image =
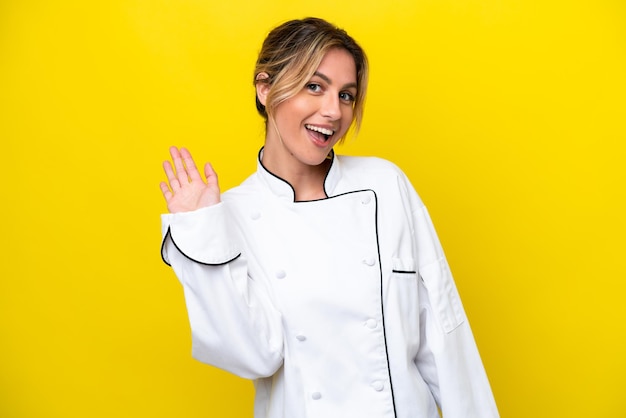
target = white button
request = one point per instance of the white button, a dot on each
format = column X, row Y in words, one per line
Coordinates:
column 316, row 395
column 366, row 199
column 255, row 215
column 370, row 261
column 378, row 385
column 280, row 274
column 371, row 323
column 300, row 337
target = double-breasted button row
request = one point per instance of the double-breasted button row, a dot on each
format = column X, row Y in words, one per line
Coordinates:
column 368, row 261
column 377, row 385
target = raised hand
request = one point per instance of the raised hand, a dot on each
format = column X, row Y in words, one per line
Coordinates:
column 185, row 189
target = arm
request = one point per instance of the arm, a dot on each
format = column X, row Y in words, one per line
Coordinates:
column 448, row 358
column 234, row 325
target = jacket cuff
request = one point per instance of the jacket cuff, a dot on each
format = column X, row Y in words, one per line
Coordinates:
column 204, row 235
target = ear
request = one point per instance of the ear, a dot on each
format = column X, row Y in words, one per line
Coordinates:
column 262, row 87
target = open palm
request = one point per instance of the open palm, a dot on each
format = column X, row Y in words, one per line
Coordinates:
column 185, row 189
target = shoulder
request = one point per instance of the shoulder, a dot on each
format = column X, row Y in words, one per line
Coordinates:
column 380, row 175
column 373, row 170
column 248, row 189
column 369, row 164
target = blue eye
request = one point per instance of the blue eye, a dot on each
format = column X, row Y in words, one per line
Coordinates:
column 347, row 97
column 314, row 87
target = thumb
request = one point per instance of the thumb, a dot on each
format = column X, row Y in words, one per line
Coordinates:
column 211, row 175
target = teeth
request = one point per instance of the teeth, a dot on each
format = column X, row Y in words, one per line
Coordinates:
column 319, row 129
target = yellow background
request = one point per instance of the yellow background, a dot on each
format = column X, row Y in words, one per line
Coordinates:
column 508, row 116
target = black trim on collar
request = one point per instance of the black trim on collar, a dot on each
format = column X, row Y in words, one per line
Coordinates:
column 337, row 195
column 293, row 191
column 332, row 161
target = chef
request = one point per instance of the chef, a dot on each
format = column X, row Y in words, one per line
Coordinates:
column 320, row 277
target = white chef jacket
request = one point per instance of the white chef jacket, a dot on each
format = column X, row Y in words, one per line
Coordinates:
column 341, row 307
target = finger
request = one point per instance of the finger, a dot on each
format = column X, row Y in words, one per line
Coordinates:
column 171, row 176
column 174, row 152
column 211, row 175
column 181, row 173
column 190, row 165
column 167, row 193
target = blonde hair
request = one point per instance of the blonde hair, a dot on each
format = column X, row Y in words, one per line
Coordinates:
column 292, row 52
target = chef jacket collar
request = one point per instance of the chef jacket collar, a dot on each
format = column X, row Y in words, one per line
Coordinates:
column 282, row 189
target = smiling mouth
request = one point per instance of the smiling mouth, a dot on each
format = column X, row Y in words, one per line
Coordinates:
column 323, row 132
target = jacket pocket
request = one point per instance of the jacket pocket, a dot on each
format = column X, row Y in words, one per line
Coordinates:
column 403, row 297
column 443, row 295
column 403, row 266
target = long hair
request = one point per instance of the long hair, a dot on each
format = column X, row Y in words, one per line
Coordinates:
column 292, row 52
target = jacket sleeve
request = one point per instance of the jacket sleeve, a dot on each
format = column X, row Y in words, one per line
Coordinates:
column 448, row 358
column 234, row 325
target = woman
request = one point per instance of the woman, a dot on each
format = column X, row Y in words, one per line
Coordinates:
column 320, row 276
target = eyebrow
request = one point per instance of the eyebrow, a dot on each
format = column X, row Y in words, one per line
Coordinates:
column 328, row 80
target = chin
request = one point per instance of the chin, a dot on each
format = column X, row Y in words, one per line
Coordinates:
column 313, row 162
column 318, row 158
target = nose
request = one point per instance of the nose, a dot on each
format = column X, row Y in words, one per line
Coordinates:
column 331, row 107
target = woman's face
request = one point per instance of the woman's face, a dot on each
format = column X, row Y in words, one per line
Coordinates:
column 310, row 123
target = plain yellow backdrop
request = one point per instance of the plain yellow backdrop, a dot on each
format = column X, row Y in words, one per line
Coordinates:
column 508, row 116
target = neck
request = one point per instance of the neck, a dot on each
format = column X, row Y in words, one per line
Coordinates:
column 310, row 186
column 306, row 181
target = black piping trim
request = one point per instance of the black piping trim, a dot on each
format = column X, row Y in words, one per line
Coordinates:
column 403, row 271
column 169, row 234
column 337, row 195
column 382, row 305
column 332, row 161
column 289, row 184
column 274, row 175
